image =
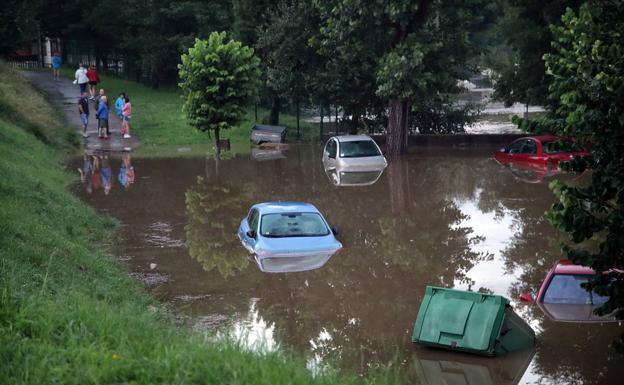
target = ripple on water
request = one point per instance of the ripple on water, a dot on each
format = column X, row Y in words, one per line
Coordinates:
column 150, row 279
column 159, row 234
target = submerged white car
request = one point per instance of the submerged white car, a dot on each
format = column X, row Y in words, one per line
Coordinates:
column 353, row 152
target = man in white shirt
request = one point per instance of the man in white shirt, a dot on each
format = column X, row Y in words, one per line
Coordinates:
column 81, row 78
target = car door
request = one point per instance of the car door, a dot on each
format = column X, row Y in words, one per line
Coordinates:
column 528, row 152
column 514, row 152
column 250, row 223
column 329, row 154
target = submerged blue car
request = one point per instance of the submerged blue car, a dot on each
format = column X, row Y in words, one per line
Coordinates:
column 279, row 233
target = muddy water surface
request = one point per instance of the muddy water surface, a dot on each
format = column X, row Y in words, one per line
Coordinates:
column 458, row 220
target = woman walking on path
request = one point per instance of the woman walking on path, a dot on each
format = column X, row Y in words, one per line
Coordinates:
column 81, row 78
column 127, row 114
column 102, row 115
column 83, row 109
column 94, row 79
column 56, row 65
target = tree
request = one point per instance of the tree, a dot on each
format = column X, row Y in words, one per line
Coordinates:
column 587, row 82
column 287, row 52
column 218, row 78
column 412, row 52
column 525, row 28
column 18, row 25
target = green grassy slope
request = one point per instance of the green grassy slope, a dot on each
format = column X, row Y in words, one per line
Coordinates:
column 69, row 314
column 158, row 118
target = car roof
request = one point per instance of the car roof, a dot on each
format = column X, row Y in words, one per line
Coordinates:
column 285, row 207
column 352, row 138
column 543, row 138
column 567, row 267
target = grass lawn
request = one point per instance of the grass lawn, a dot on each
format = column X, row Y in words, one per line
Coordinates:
column 69, row 313
column 158, row 118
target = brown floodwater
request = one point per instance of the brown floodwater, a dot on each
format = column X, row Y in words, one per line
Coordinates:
column 451, row 218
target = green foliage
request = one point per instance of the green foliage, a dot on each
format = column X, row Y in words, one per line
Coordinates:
column 17, row 25
column 218, row 79
column 412, row 52
column 525, row 29
column 588, row 86
column 286, row 52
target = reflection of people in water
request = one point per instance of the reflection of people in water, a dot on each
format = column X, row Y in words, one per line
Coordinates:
column 86, row 172
column 107, row 174
column 126, row 172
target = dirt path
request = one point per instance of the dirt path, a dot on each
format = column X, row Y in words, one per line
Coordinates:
column 65, row 95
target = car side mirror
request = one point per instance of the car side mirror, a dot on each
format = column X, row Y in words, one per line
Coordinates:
column 251, row 234
column 334, row 231
column 505, row 150
column 526, row 298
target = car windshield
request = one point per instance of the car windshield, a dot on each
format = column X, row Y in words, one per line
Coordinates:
column 560, row 146
column 566, row 288
column 358, row 149
column 282, row 225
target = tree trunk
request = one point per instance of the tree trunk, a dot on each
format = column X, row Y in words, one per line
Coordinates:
column 353, row 124
column 297, row 120
column 217, row 144
column 321, row 126
column 396, row 137
column 275, row 109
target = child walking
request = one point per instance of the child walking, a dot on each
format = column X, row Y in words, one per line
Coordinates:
column 119, row 105
column 127, row 114
column 102, row 114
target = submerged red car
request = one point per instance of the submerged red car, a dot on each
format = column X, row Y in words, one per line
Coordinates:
column 562, row 297
column 544, row 151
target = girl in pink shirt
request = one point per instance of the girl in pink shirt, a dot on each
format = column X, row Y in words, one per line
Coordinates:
column 127, row 114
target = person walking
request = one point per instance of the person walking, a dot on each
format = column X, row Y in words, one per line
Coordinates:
column 81, row 78
column 102, row 114
column 127, row 115
column 119, row 105
column 83, row 109
column 94, row 79
column 101, row 95
column 57, row 61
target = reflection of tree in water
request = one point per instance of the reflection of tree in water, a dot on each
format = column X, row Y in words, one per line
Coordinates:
column 214, row 211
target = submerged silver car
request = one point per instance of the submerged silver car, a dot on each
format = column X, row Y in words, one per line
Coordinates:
column 287, row 236
column 353, row 152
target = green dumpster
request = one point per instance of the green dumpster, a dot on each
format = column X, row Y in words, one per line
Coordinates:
column 472, row 322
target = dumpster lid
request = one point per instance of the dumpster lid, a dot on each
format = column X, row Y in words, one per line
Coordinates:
column 266, row 127
column 459, row 319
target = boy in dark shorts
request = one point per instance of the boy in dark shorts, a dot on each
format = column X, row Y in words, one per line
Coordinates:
column 83, row 109
column 102, row 114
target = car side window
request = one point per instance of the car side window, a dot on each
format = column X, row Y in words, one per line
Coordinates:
column 516, row 146
column 530, row 147
column 252, row 219
column 331, row 148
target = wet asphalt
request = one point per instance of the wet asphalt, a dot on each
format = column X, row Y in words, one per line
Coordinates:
column 64, row 94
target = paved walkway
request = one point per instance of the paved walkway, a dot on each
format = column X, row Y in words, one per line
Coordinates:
column 65, row 95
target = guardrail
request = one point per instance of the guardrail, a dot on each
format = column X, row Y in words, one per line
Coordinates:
column 24, row 64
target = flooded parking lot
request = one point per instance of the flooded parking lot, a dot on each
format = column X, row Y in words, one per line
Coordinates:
column 445, row 218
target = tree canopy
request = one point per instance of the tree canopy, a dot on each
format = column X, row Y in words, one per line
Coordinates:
column 219, row 79
column 587, row 82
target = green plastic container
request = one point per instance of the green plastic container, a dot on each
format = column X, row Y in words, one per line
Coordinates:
column 471, row 322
